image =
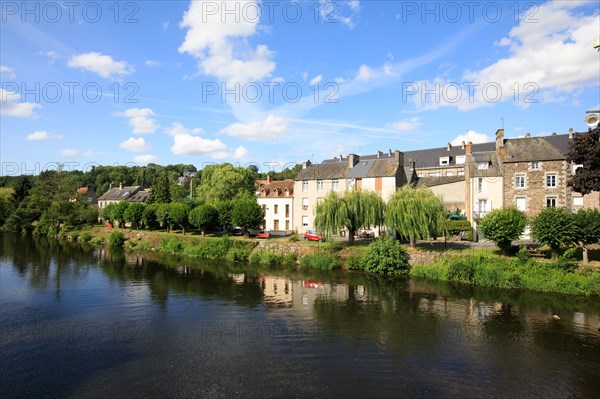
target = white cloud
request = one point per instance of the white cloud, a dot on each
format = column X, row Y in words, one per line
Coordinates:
column 102, row 65
column 239, row 153
column 7, row 72
column 135, row 145
column 354, row 5
column 214, row 39
column 473, row 137
column 41, row 135
column 140, row 119
column 177, row 128
column 52, row 55
column 364, row 73
column 268, row 129
column 145, row 159
column 9, row 106
column 90, row 153
column 154, row 63
column 186, row 144
column 405, row 125
column 316, row 80
column 70, row 153
column 165, row 25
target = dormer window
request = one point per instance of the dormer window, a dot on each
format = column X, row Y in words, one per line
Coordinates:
column 444, row 161
column 483, row 165
column 460, row 160
column 535, row 165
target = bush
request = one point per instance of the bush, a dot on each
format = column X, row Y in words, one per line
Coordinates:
column 458, row 225
column 265, row 257
column 294, row 238
column 462, row 270
column 355, row 262
column 503, row 226
column 238, row 254
column 321, row 261
column 171, row 246
column 523, row 254
column 86, row 236
column 554, row 227
column 74, row 235
column 116, row 239
column 386, row 255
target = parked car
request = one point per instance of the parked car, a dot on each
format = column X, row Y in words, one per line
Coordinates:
column 263, row 234
column 312, row 235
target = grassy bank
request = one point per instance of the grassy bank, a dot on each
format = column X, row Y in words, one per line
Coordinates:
column 510, row 273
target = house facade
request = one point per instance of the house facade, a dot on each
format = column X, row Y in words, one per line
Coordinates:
column 277, row 201
column 381, row 173
column 119, row 194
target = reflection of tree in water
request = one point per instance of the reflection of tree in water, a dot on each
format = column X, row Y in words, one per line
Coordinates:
column 504, row 323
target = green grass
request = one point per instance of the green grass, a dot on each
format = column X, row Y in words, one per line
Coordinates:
column 512, row 273
column 321, row 261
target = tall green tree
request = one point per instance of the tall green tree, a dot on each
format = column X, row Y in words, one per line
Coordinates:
column 134, row 214
column 161, row 191
column 224, row 210
column 587, row 231
column 107, row 214
column 223, row 182
column 149, row 217
column 204, row 217
column 503, row 226
column 162, row 215
column 118, row 213
column 178, row 215
column 356, row 209
column 415, row 213
column 554, row 227
column 584, row 150
column 246, row 212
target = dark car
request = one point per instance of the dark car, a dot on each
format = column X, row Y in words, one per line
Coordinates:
column 312, row 235
column 263, row 234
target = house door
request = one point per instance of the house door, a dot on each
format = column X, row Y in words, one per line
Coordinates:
column 276, row 224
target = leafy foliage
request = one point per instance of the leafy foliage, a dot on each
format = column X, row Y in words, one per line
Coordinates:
column 116, row 239
column 503, row 226
column 246, row 212
column 149, row 217
column 161, row 191
column 321, row 261
column 223, row 182
column 554, row 227
column 386, row 255
column 134, row 214
column 584, row 150
column 204, row 217
column 178, row 215
column 162, row 215
column 415, row 213
column 587, row 231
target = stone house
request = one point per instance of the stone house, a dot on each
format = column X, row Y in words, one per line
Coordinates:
column 277, row 200
column 118, row 194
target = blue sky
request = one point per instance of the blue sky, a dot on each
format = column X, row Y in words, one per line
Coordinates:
column 274, row 83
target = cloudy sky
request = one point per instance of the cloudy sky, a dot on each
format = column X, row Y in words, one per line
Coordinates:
column 279, row 82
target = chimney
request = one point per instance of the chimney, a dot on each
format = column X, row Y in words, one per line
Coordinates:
column 110, row 186
column 121, row 186
column 570, row 133
column 397, row 156
column 449, row 146
column 379, row 154
column 462, row 146
column 269, row 178
column 554, row 133
column 341, row 157
column 469, row 148
column 390, row 153
column 305, row 164
column 353, row 160
column 499, row 138
column 528, row 135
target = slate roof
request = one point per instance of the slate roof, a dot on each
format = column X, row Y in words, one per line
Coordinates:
column 277, row 188
column 140, row 196
column 119, row 194
column 326, row 170
column 560, row 142
column 431, row 181
column 430, row 158
column 493, row 164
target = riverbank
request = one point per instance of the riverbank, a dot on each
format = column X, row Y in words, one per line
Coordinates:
column 474, row 266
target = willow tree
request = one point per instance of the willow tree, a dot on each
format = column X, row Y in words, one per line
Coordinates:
column 356, row 209
column 414, row 213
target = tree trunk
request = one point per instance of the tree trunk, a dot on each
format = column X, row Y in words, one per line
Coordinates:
column 351, row 236
column 412, row 243
column 585, row 255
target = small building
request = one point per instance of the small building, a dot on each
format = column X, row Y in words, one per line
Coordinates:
column 85, row 193
column 277, row 201
column 119, row 194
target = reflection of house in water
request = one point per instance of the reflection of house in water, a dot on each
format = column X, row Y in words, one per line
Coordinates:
column 277, row 291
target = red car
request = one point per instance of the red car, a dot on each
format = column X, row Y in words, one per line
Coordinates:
column 263, row 234
column 312, row 235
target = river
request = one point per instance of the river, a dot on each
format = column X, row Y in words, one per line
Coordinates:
column 82, row 321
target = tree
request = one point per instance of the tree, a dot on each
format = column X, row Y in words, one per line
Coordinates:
column 21, row 186
column 118, row 213
column 356, row 209
column 178, row 215
column 203, row 217
column 223, row 182
column 584, row 150
column 503, row 226
column 161, row 191
column 386, row 255
column 162, row 215
column 107, row 214
column 224, row 209
column 415, row 213
column 587, row 232
column 554, row 227
column 134, row 214
column 149, row 217
column 246, row 212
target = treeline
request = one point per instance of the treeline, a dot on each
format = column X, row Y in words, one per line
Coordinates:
column 48, row 202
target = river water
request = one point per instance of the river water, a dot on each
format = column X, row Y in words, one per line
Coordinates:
column 81, row 321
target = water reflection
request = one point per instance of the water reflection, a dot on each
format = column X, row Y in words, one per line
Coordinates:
column 192, row 328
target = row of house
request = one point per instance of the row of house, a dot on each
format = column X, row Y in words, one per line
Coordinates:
column 472, row 179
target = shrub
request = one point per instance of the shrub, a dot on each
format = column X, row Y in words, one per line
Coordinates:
column 86, row 236
column 503, row 226
column 321, row 261
column 355, row 262
column 523, row 254
column 294, row 238
column 237, row 254
column 265, row 257
column 554, row 227
column 458, row 225
column 462, row 270
column 74, row 235
column 171, row 246
column 116, row 239
column 386, row 255
column 52, row 232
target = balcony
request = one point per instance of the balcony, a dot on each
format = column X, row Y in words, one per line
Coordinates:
column 478, row 215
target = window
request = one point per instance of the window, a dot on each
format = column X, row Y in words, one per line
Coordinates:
column 480, row 185
column 287, row 211
column 450, row 174
column 460, row 160
column 520, row 181
column 305, row 186
column 461, row 172
column 378, row 184
column 304, row 204
column 434, row 174
column 535, row 165
column 304, row 221
column 319, row 185
column 551, row 180
column 444, row 161
column 551, row 202
column 483, row 205
column 482, row 165
column 335, row 184
column 275, row 210
column 577, row 201
column 521, row 204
